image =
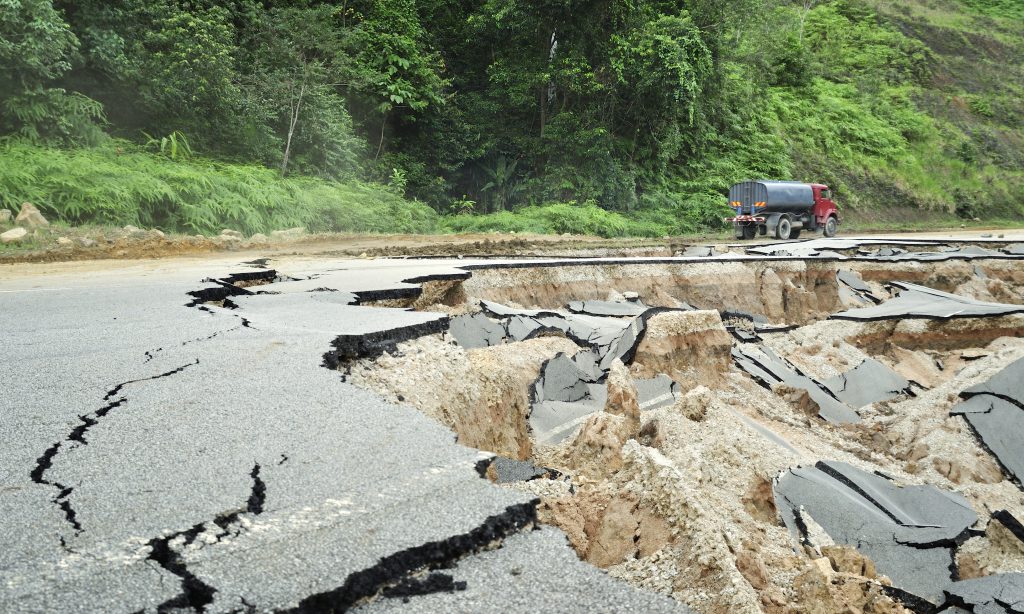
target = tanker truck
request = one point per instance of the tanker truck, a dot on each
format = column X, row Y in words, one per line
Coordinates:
column 782, row 209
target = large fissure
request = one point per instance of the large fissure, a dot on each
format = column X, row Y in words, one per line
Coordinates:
column 396, row 568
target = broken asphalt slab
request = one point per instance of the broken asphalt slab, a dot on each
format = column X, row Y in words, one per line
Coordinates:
column 995, row 594
column 766, row 367
column 869, row 382
column 916, row 301
column 910, row 532
column 995, row 410
column 615, row 309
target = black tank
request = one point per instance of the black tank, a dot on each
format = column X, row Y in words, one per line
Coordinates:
column 750, row 197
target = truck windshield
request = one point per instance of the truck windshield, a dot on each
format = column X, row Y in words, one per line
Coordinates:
column 826, row 194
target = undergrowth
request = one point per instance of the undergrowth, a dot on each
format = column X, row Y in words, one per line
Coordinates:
column 120, row 184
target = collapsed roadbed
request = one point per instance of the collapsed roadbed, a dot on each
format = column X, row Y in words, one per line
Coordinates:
column 801, row 427
column 668, row 414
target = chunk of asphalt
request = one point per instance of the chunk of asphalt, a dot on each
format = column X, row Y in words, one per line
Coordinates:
column 520, row 328
column 476, row 331
column 502, row 311
column 608, row 308
column 909, row 532
column 916, row 301
column 656, row 392
column 743, row 336
column 996, row 594
column 1010, row 521
column 588, row 361
column 1015, row 249
column 852, row 280
column 744, row 315
column 765, row 366
column 1007, row 384
column 995, row 410
column 869, row 382
column 852, row 286
column 554, row 421
column 848, row 296
column 999, row 424
column 511, row 470
column 561, row 380
column 623, row 346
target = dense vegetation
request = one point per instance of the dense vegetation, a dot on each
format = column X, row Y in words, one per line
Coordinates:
column 621, row 117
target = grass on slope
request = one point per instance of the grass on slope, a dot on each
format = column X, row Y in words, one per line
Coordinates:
column 118, row 184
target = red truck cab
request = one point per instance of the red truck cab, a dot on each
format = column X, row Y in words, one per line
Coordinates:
column 824, row 206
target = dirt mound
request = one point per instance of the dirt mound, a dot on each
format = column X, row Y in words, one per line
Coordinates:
column 692, row 347
column 480, row 394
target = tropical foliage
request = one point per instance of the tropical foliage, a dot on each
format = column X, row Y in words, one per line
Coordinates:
column 628, row 116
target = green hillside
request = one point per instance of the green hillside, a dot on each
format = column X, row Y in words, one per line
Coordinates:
column 610, row 117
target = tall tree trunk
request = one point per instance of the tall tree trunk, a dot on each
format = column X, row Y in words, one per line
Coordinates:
column 542, row 99
column 380, row 144
column 293, row 121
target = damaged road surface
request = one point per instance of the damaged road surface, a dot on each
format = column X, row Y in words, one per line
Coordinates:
column 804, row 427
column 160, row 457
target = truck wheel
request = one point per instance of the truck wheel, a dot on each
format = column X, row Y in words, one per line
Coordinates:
column 749, row 231
column 831, row 226
column 783, row 229
column 794, row 233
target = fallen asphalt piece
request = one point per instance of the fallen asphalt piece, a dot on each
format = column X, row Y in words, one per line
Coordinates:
column 852, row 286
column 561, row 379
column 910, row 532
column 996, row 594
column 476, row 331
column 610, row 338
column 507, row 470
column 657, row 391
column 555, row 421
column 916, row 301
column 867, row 383
column 995, row 410
column 615, row 309
column 766, row 367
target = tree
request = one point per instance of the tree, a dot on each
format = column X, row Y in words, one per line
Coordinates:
column 36, row 46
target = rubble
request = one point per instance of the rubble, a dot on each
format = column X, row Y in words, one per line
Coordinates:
column 824, row 462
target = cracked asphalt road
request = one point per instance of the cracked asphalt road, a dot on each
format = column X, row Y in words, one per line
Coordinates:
column 155, row 456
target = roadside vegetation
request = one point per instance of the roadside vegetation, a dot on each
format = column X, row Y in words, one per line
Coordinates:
column 422, row 116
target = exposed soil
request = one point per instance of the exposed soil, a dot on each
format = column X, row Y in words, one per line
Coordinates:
column 101, row 243
column 679, row 499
